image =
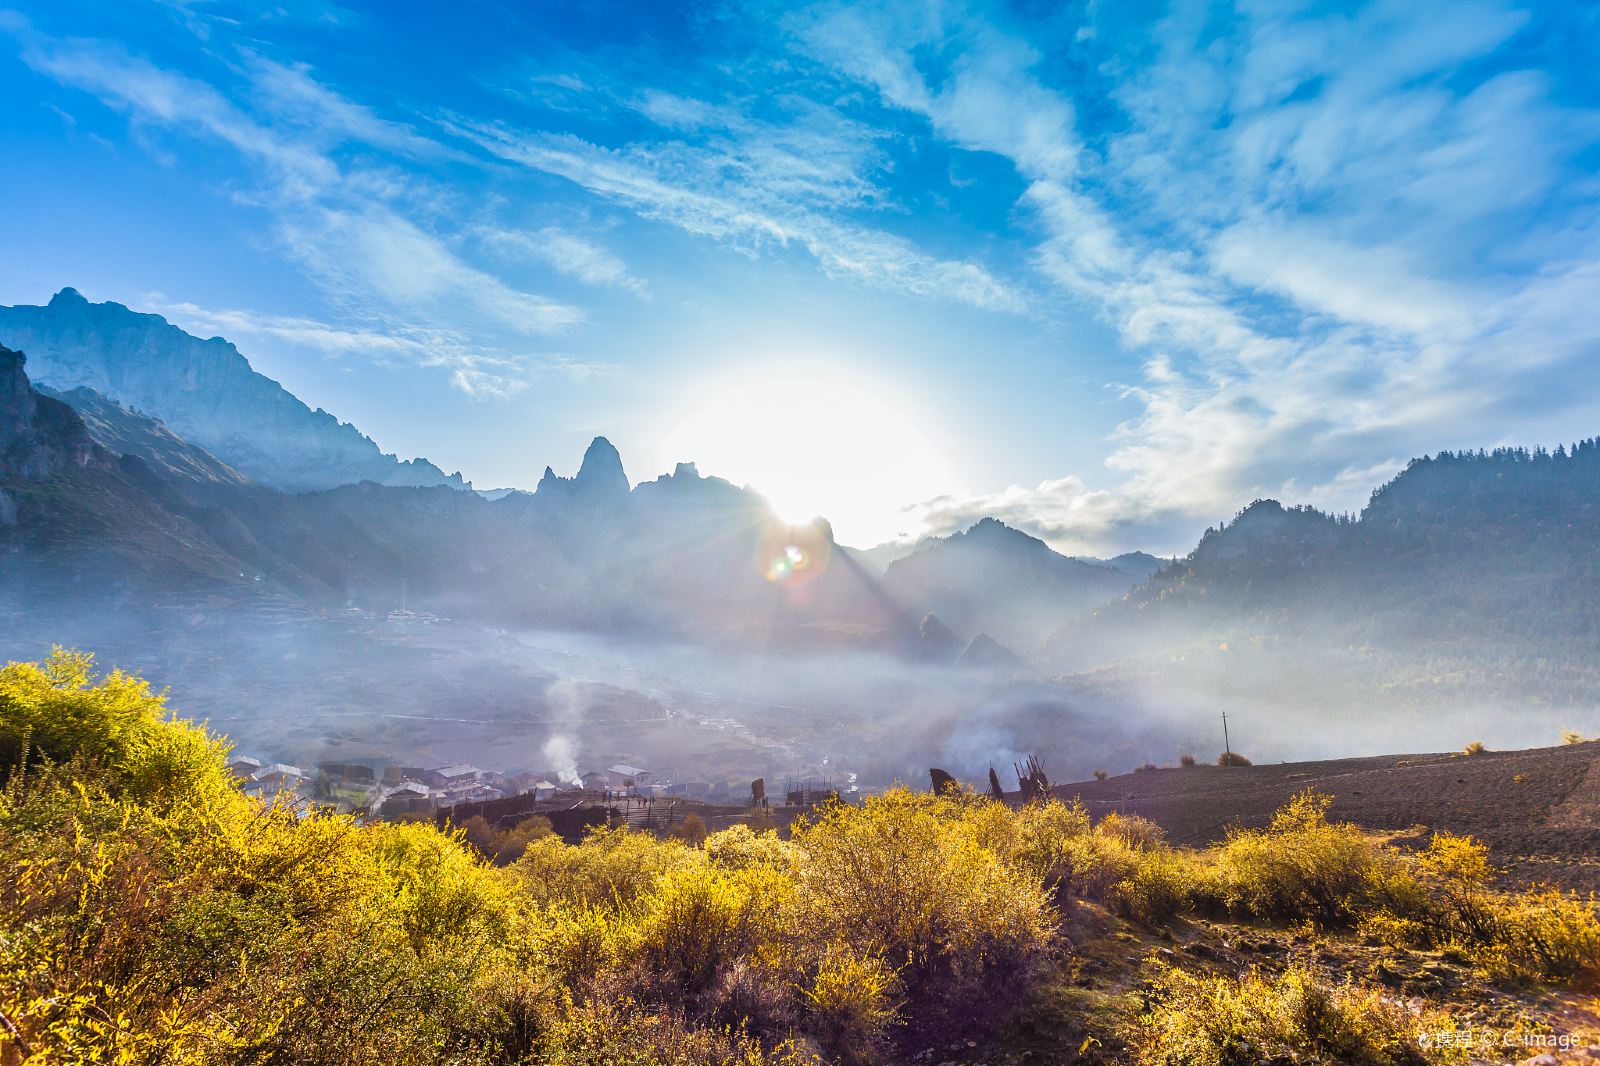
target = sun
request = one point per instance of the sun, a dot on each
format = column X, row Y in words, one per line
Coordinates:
column 816, row 440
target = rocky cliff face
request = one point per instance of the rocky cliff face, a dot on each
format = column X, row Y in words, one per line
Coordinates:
column 40, row 436
column 124, row 432
column 205, row 391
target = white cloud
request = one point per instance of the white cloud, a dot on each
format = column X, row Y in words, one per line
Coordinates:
column 1313, row 229
column 150, row 94
column 350, row 227
column 293, row 96
column 362, row 253
column 748, row 217
column 474, row 369
column 574, row 256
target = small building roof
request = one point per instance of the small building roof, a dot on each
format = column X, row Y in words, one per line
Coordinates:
column 628, row 771
column 277, row 769
column 459, row 770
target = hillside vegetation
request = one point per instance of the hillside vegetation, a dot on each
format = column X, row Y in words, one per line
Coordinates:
column 152, row 913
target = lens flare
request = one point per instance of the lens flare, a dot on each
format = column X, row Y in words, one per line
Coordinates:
column 794, row 554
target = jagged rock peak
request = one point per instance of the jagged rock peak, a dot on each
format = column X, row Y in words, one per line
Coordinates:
column 68, row 297
column 686, row 470
column 601, row 470
column 600, row 476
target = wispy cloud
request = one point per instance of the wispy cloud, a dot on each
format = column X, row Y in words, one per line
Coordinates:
column 1310, row 226
column 576, row 257
column 348, row 225
column 474, row 369
column 675, row 185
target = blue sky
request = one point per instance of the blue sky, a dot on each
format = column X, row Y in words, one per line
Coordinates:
column 1106, row 271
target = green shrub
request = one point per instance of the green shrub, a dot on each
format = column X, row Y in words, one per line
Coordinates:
column 504, row 846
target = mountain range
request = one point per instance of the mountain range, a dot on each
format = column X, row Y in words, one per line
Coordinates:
column 150, row 467
column 214, row 477
column 204, row 391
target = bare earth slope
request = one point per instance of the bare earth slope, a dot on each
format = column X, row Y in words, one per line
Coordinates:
column 1537, row 809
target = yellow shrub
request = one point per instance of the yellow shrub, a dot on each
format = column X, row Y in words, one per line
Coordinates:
column 121, row 732
column 1040, row 840
column 903, row 878
column 852, row 1002
column 1293, row 1017
column 1301, row 866
column 1544, row 934
column 697, row 921
column 739, row 846
column 1132, row 829
column 621, row 1033
column 611, row 866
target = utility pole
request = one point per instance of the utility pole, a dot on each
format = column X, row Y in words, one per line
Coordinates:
column 1226, row 747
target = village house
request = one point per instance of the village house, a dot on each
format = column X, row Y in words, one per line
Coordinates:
column 594, row 781
column 242, row 766
column 624, row 778
column 459, row 774
column 410, row 797
column 349, row 774
column 274, row 779
column 470, row 792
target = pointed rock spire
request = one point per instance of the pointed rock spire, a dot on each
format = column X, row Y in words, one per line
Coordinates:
column 601, row 474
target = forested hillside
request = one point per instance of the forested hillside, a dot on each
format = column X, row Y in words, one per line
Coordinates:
column 1492, row 557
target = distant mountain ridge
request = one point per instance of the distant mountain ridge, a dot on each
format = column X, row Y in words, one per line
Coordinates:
column 996, row 580
column 1477, row 558
column 205, row 391
column 112, row 504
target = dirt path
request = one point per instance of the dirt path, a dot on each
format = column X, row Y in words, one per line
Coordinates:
column 1581, row 807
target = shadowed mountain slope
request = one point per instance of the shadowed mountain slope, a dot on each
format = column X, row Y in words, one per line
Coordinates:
column 997, row 580
column 205, row 391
